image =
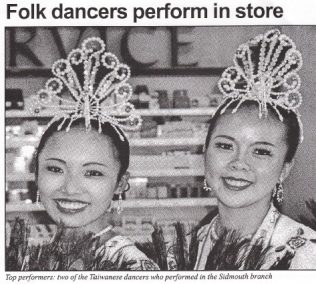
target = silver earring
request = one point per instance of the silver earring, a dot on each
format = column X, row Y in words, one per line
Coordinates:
column 37, row 197
column 110, row 208
column 119, row 207
column 206, row 187
column 278, row 192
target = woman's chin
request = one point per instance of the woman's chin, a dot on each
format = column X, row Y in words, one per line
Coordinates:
column 233, row 199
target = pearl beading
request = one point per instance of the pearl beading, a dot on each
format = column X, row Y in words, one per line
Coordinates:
column 105, row 99
column 267, row 77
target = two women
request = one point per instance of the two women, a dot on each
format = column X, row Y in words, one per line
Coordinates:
column 252, row 140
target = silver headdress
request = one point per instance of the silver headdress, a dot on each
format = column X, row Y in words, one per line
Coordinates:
column 265, row 70
column 95, row 81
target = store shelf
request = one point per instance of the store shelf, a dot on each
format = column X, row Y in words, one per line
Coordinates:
column 207, row 111
column 139, row 142
column 176, row 112
column 131, row 203
column 167, row 172
column 19, row 177
column 19, row 142
column 137, row 173
column 197, row 71
column 151, row 142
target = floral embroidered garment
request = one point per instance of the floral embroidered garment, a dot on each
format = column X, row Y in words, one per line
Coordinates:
column 281, row 234
column 121, row 249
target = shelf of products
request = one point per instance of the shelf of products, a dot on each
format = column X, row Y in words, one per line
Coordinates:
column 17, row 142
column 138, row 173
column 205, row 111
column 132, row 203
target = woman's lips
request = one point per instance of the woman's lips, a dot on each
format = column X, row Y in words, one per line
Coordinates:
column 236, row 184
column 69, row 206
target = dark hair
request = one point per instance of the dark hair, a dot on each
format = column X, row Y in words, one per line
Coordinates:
column 107, row 129
column 290, row 120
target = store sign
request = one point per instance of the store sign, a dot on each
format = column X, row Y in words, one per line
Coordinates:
column 166, row 47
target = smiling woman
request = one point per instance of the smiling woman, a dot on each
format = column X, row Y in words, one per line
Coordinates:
column 77, row 173
column 249, row 151
column 82, row 161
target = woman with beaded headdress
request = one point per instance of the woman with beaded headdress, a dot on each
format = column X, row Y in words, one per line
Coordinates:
column 249, row 150
column 82, row 161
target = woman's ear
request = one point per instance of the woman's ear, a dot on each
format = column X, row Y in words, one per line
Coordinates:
column 286, row 170
column 123, row 183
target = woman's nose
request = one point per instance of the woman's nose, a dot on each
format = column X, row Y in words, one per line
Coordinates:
column 239, row 163
column 72, row 184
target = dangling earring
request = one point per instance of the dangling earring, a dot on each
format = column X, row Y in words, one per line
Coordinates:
column 110, row 208
column 119, row 207
column 37, row 197
column 278, row 192
column 206, row 187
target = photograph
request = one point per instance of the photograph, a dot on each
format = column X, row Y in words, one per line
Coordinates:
column 160, row 148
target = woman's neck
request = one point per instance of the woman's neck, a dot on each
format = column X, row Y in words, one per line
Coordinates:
column 245, row 220
column 94, row 227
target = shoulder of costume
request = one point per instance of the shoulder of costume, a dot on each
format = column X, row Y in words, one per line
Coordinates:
column 294, row 234
column 301, row 239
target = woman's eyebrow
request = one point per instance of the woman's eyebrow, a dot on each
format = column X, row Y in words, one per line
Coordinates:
column 56, row 159
column 94, row 163
column 264, row 143
column 225, row 136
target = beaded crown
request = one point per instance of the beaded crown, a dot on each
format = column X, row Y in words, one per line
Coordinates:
column 265, row 70
column 96, row 89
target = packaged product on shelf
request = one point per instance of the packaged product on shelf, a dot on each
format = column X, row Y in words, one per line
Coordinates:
column 177, row 129
column 13, row 131
column 148, row 128
column 14, row 196
column 130, row 224
column 140, row 97
column 25, row 195
column 146, row 224
column 183, row 191
column 138, row 188
column 195, row 103
column 194, row 191
column 214, row 99
column 151, row 191
column 183, row 160
column 163, row 98
column 181, row 99
column 20, row 165
column 154, row 101
column 173, row 191
column 30, row 128
column 162, row 191
column 14, row 99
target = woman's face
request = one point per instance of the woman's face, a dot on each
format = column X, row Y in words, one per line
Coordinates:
column 245, row 157
column 77, row 177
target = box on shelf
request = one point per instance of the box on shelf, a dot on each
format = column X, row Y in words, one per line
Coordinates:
column 181, row 99
column 14, row 99
column 138, row 188
column 148, row 128
column 164, row 162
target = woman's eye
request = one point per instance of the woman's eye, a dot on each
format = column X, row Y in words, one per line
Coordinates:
column 263, row 152
column 54, row 169
column 224, row 146
column 93, row 173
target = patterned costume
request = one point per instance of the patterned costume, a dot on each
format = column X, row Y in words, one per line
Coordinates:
column 121, row 249
column 280, row 233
